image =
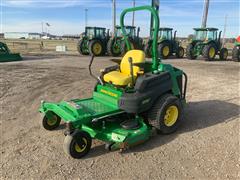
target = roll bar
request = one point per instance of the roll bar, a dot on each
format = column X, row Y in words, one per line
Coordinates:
column 155, row 59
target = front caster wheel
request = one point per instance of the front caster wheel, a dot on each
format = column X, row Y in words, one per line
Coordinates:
column 51, row 122
column 77, row 144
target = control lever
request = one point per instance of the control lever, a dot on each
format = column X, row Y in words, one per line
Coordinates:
column 131, row 69
column 90, row 71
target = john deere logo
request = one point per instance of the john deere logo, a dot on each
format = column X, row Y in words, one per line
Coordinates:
column 108, row 93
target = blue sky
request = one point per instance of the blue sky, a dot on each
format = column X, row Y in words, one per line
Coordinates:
column 67, row 16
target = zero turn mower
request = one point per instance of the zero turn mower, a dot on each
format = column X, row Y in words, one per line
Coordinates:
column 128, row 102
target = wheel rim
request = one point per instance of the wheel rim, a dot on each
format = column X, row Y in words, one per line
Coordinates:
column 97, row 48
column 116, row 48
column 81, row 149
column 225, row 54
column 53, row 121
column 171, row 115
column 212, row 52
column 166, row 51
column 181, row 52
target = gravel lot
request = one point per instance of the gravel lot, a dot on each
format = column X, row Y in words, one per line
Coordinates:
column 205, row 147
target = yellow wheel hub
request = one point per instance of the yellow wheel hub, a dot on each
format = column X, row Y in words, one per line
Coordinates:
column 212, row 52
column 171, row 115
column 166, row 51
column 97, row 48
column 81, row 149
column 53, row 121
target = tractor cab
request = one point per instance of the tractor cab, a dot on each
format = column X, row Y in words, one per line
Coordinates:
column 165, row 34
column 206, row 34
column 95, row 32
column 131, row 31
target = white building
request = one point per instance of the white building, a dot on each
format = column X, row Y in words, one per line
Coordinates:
column 21, row 35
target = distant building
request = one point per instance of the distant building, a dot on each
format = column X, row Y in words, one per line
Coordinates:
column 22, row 35
column 70, row 36
column 34, row 36
column 16, row 35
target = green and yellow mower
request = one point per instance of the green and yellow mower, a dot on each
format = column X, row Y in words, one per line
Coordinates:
column 129, row 101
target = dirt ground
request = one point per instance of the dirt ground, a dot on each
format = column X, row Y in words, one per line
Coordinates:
column 205, row 147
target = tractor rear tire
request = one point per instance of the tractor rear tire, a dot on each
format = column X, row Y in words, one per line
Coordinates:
column 164, row 50
column 166, row 114
column 189, row 52
column 236, row 54
column 209, row 52
column 223, row 54
column 148, row 49
column 79, row 47
column 180, row 52
column 73, row 149
column 110, row 48
column 96, row 48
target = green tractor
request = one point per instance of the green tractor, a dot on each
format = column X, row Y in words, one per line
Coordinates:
column 114, row 46
column 236, row 50
column 136, row 42
column 207, row 43
column 129, row 102
column 93, row 41
column 6, row 55
column 167, row 44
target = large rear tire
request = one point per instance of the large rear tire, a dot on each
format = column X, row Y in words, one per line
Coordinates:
column 180, row 52
column 223, row 54
column 96, row 48
column 236, row 54
column 113, row 48
column 166, row 114
column 209, row 52
column 80, row 47
column 73, row 148
column 164, row 50
column 190, row 52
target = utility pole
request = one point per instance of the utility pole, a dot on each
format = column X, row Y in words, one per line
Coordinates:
column 133, row 15
column 42, row 28
column 205, row 13
column 86, row 17
column 113, row 16
column 224, row 30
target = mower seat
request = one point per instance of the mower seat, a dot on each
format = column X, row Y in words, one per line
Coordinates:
column 123, row 77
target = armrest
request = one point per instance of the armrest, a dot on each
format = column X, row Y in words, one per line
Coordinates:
column 109, row 69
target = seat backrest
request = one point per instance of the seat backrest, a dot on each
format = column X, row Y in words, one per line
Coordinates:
column 137, row 56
